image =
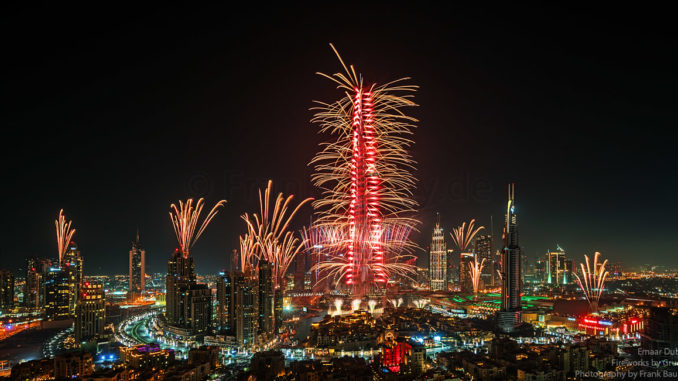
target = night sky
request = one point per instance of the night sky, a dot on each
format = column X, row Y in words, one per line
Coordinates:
column 112, row 114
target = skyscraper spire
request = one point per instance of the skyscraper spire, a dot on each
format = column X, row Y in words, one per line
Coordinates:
column 509, row 315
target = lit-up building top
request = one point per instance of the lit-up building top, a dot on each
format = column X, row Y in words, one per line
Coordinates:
column 438, row 260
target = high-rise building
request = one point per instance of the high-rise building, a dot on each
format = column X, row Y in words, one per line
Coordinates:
column 278, row 309
column 6, row 290
column 540, row 271
column 57, row 294
column 180, row 274
column 509, row 315
column 188, row 303
column 483, row 251
column 36, row 275
column 556, row 269
column 246, row 309
column 452, row 266
column 137, row 269
column 224, row 290
column 437, row 267
column 299, row 271
column 266, row 297
column 90, row 316
column 71, row 265
column 465, row 283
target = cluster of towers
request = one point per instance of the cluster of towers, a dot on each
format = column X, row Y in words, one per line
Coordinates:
column 249, row 305
column 502, row 269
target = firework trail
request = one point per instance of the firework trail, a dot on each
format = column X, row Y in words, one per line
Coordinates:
column 593, row 282
column 372, row 305
column 355, row 305
column 185, row 221
column 64, row 234
column 420, row 303
column 365, row 176
column 396, row 302
column 463, row 235
column 267, row 237
column 475, row 269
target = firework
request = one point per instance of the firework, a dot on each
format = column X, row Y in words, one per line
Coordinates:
column 420, row 303
column 463, row 235
column 593, row 282
column 337, row 305
column 64, row 233
column 365, row 176
column 396, row 302
column 372, row 305
column 185, row 221
column 475, row 269
column 267, row 236
column 355, row 305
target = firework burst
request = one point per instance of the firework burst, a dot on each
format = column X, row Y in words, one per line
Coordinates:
column 64, row 233
column 421, row 303
column 366, row 180
column 475, row 269
column 185, row 221
column 592, row 280
column 463, row 235
column 267, row 237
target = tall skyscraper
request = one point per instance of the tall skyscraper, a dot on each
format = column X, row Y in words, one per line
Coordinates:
column 277, row 309
column 36, row 275
column 180, row 273
column 266, row 297
column 437, row 267
column 465, row 283
column 246, row 308
column 90, row 316
column 137, row 269
column 557, row 271
column 299, row 271
column 188, row 309
column 71, row 265
column 224, row 291
column 57, row 294
column 509, row 315
column 6, row 290
column 483, row 250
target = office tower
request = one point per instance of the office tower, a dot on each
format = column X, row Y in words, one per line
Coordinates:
column 90, row 314
column 247, row 310
column 437, row 267
column 180, row 274
column 278, row 309
column 452, row 266
column 57, row 294
column 483, row 250
column 661, row 332
column 6, row 290
column 36, row 274
column 465, row 283
column 498, row 266
column 557, row 267
column 300, row 272
column 224, row 290
column 197, row 308
column 509, row 315
column 237, row 282
column 188, row 303
column 137, row 269
column 266, row 297
column 71, row 265
column 540, row 271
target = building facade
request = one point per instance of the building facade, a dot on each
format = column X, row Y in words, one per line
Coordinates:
column 438, row 260
column 509, row 315
column 137, row 269
column 90, row 316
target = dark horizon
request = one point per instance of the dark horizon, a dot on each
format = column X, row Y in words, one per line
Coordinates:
column 114, row 115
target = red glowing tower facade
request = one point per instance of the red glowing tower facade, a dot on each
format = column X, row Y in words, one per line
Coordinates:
column 365, row 254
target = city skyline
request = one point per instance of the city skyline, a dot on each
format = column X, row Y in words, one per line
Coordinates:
column 577, row 160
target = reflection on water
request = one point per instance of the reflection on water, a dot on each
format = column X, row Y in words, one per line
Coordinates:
column 304, row 326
